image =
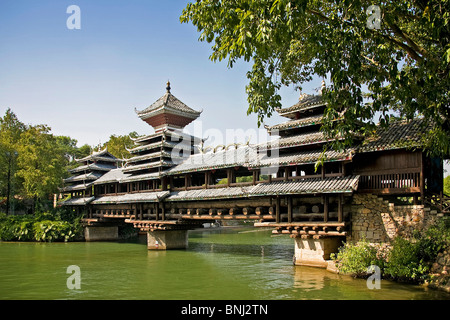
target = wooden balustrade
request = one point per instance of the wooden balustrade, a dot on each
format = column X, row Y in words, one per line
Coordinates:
column 391, row 182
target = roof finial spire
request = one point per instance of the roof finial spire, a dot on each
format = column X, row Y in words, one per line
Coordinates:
column 168, row 86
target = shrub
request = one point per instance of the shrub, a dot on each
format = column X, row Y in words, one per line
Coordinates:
column 40, row 227
column 404, row 261
column 355, row 259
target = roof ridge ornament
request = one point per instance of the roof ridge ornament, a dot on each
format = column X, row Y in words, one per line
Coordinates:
column 168, row 86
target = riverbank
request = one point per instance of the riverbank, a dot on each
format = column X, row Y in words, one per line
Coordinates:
column 423, row 258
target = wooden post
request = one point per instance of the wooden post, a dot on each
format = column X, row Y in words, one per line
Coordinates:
column 289, row 203
column 323, row 171
column 340, row 208
column 277, row 210
column 325, row 208
column 206, row 179
column 163, row 212
column 156, row 211
column 141, row 213
column 254, row 177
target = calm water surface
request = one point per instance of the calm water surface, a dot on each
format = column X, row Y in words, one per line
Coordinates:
column 220, row 264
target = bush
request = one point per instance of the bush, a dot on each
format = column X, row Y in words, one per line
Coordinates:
column 355, row 259
column 40, row 227
column 404, row 261
column 407, row 260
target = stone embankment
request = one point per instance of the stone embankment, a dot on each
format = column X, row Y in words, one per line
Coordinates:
column 378, row 221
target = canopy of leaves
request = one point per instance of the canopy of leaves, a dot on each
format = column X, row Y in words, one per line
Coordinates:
column 401, row 68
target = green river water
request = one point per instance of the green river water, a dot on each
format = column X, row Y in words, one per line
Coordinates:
column 220, row 264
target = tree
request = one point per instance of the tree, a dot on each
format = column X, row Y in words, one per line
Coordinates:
column 10, row 131
column 400, row 68
column 118, row 145
column 41, row 161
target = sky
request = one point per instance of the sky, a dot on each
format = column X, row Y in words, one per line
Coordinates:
column 86, row 83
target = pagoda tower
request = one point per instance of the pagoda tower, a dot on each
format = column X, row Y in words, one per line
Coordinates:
column 301, row 142
column 92, row 167
column 166, row 147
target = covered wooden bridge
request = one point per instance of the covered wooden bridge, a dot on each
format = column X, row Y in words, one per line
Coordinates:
column 172, row 184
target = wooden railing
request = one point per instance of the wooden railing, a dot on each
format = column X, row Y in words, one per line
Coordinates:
column 391, row 182
column 438, row 201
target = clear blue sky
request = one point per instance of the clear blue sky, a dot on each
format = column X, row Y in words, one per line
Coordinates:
column 86, row 83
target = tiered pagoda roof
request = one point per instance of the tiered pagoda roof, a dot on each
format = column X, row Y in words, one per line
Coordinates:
column 92, row 168
column 168, row 112
column 167, row 147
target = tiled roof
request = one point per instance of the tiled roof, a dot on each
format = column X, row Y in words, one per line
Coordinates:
column 168, row 102
column 132, row 197
column 77, row 187
column 148, row 165
column 295, row 140
column 303, row 122
column 94, row 167
column 76, row 201
column 209, row 194
column 141, row 177
column 177, row 134
column 307, row 186
column 301, row 157
column 84, row 177
column 300, row 186
column 102, row 155
column 397, row 135
column 215, row 160
column 153, row 145
column 115, row 175
column 305, row 102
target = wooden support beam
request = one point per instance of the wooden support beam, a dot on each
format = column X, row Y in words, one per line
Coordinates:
column 325, row 208
column 289, row 204
column 277, row 209
column 341, row 208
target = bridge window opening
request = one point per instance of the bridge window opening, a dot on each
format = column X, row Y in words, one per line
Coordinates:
column 122, row 188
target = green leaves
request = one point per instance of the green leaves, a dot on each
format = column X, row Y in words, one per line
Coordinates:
column 40, row 227
column 401, row 68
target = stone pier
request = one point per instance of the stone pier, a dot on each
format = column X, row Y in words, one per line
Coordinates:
column 101, row 233
column 315, row 252
column 167, row 239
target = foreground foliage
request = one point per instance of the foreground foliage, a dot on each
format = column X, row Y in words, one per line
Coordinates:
column 381, row 58
column 406, row 260
column 43, row 227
